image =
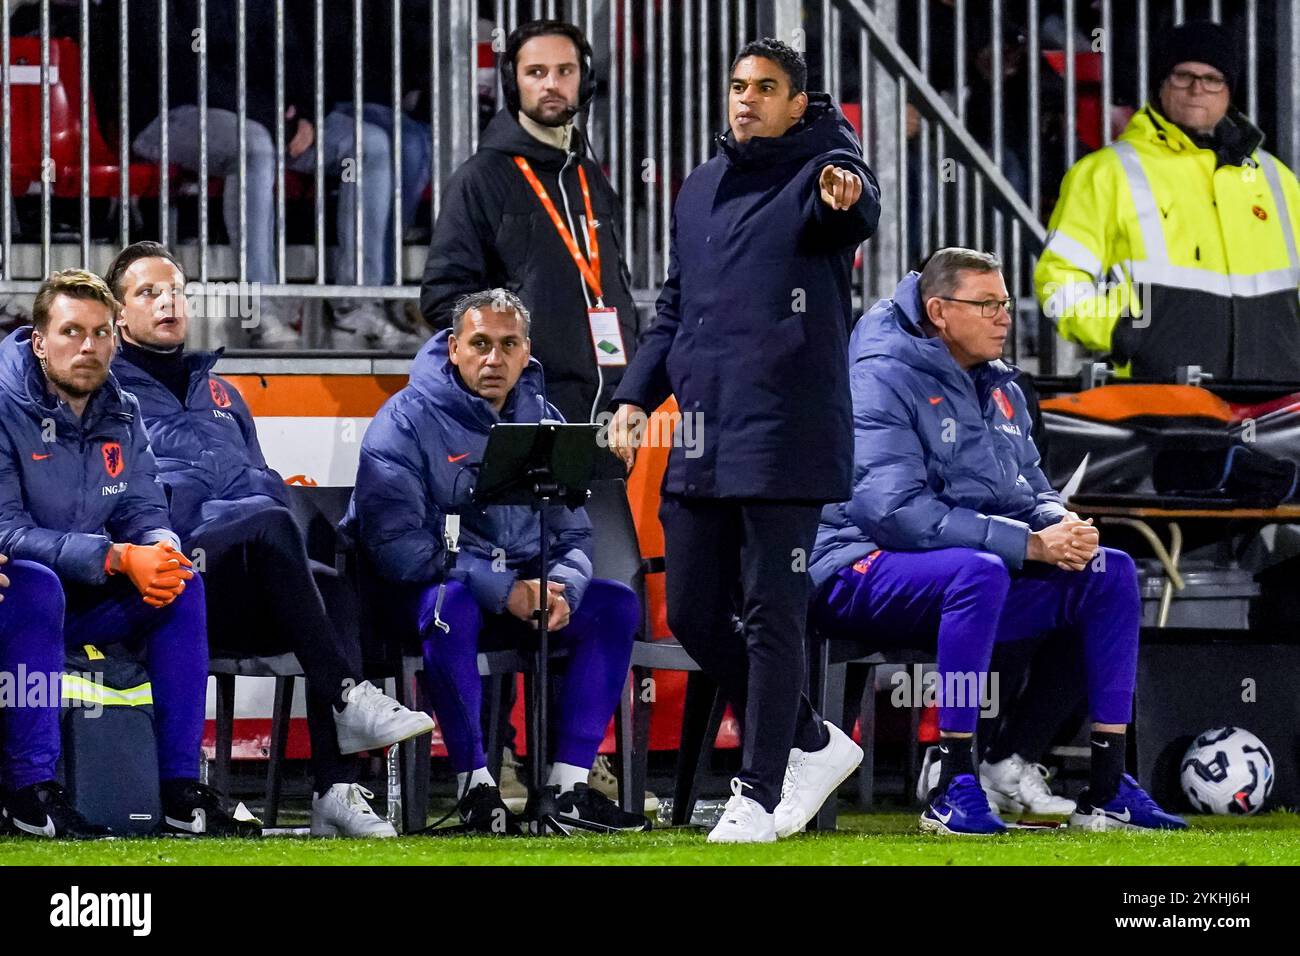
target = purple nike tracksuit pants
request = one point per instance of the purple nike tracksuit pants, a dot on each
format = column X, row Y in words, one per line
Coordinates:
column 31, row 618
column 39, row 617
column 599, row 637
column 961, row 601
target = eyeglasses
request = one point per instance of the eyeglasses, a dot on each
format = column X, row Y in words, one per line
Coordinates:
column 1210, row 82
column 988, row 307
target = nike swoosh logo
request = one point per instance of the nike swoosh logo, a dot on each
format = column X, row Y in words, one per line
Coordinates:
column 46, row 831
column 941, row 817
column 1121, row 817
column 455, row 458
column 1103, row 744
column 36, row 457
column 936, row 401
column 198, row 822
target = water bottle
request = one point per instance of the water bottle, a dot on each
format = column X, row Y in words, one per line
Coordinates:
column 706, row 813
column 393, row 812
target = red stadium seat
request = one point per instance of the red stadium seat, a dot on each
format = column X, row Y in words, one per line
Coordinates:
column 1087, row 74
column 65, row 127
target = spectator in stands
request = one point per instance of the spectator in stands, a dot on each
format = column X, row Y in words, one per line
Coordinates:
column 954, row 537
column 751, row 338
column 419, row 460
column 79, row 495
column 377, row 114
column 546, row 79
column 1175, row 246
column 229, row 506
column 547, row 228
column 275, row 327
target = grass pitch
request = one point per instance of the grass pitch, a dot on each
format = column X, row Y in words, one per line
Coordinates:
column 872, row 839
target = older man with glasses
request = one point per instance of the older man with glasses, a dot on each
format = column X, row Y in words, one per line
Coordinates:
column 954, row 539
column 1175, row 245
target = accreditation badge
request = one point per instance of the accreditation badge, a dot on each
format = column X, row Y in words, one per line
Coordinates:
column 606, row 336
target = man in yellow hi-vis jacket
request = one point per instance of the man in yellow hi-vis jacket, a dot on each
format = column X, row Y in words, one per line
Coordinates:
column 1176, row 245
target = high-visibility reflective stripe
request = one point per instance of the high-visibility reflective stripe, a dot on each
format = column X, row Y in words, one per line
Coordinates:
column 76, row 687
column 1215, row 283
column 1279, row 201
column 1157, row 270
column 1144, row 202
column 1070, row 297
column 1074, row 252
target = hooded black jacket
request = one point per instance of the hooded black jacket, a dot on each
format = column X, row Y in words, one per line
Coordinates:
column 752, row 327
column 492, row 231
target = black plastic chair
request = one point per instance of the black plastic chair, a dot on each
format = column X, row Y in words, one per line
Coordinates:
column 316, row 510
column 829, row 662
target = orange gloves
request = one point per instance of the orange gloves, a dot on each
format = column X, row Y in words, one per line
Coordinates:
column 158, row 571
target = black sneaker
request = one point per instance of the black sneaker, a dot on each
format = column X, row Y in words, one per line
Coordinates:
column 483, row 811
column 43, row 810
column 191, row 808
column 580, row 809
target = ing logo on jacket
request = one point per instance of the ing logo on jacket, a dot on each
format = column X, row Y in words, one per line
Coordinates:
column 220, row 397
column 113, row 460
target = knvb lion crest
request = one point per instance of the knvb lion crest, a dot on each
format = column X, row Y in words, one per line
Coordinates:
column 220, row 397
column 113, row 460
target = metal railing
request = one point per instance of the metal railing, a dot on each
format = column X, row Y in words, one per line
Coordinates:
column 662, row 66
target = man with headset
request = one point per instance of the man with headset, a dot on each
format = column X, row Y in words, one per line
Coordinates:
column 532, row 212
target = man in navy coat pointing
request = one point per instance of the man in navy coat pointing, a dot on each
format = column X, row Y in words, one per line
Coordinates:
column 751, row 337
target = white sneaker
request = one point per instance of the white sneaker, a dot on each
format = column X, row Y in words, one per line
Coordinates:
column 370, row 324
column 371, row 720
column 342, row 810
column 275, row 326
column 1015, row 786
column 811, row 778
column 743, row 820
column 603, row 779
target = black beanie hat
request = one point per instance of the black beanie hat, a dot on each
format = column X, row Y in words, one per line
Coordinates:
column 1198, row 41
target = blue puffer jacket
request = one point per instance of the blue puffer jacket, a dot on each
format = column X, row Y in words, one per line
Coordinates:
column 419, row 460
column 942, row 459
column 94, row 482
column 209, row 459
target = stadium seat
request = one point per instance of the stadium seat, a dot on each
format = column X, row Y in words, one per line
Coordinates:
column 225, row 669
column 618, row 557
column 316, row 510
column 65, row 128
column 829, row 661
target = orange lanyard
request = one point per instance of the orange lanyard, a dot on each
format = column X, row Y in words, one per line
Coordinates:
column 590, row 272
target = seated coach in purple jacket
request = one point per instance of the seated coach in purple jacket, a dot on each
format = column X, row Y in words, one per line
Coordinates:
column 419, row 461
column 954, row 538
column 230, row 506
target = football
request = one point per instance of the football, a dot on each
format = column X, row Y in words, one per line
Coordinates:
column 1227, row 771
